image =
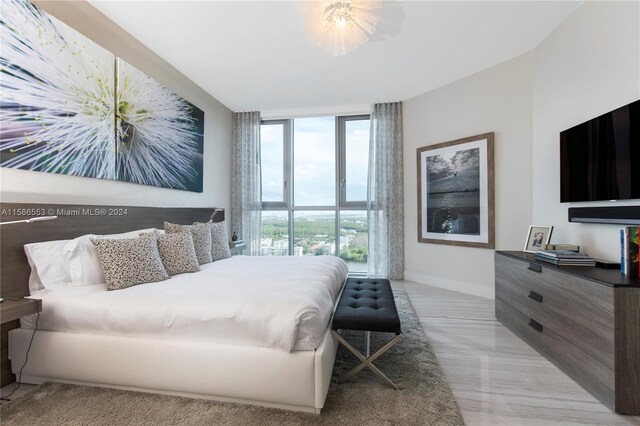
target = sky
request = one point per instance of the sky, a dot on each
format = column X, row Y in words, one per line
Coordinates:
column 272, row 158
column 314, row 168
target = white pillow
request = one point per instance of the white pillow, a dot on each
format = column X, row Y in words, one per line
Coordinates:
column 35, row 284
column 84, row 264
column 49, row 267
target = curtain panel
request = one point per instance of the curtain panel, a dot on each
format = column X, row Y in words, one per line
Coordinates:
column 246, row 203
column 385, row 192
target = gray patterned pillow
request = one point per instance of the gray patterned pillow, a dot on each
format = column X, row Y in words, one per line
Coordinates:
column 130, row 261
column 178, row 253
column 201, row 238
column 219, row 240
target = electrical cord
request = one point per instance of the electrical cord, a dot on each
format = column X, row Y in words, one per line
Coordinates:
column 26, row 358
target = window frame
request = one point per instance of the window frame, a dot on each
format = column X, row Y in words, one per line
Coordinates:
column 288, row 202
column 341, row 138
column 287, row 138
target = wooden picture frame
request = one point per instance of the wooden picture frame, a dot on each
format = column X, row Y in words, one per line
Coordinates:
column 456, row 192
column 537, row 238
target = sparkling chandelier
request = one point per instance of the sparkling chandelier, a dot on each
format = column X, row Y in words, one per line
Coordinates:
column 339, row 27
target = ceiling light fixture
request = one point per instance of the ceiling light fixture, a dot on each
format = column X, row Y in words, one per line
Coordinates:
column 339, row 27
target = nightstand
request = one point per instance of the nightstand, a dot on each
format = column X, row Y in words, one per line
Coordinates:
column 10, row 312
column 237, row 247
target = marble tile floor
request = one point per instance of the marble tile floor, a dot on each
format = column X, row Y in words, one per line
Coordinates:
column 496, row 378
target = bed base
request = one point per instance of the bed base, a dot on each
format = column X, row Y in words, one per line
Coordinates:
column 262, row 376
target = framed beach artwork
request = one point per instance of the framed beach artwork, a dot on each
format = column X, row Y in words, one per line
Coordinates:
column 456, row 192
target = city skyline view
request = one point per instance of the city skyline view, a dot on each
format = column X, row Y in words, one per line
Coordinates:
column 314, row 234
column 299, row 161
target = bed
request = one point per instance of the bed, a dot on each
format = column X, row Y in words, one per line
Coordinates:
column 245, row 329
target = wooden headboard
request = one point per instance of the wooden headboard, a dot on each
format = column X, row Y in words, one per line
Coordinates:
column 73, row 220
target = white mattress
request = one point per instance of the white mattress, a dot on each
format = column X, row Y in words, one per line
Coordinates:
column 279, row 302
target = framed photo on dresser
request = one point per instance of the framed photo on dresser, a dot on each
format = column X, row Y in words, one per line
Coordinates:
column 537, row 238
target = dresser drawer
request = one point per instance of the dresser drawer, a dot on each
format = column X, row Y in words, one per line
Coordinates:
column 574, row 308
column 590, row 373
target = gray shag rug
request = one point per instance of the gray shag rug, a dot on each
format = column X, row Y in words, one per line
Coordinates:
column 424, row 397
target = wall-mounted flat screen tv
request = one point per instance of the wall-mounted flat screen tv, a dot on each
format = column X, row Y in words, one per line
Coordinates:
column 600, row 158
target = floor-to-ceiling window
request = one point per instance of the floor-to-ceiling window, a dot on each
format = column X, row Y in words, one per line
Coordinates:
column 314, row 188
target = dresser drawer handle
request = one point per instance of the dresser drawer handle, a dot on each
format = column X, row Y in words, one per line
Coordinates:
column 536, row 325
column 535, row 296
column 535, row 268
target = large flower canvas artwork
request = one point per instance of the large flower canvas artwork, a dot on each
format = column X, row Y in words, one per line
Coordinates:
column 159, row 135
column 56, row 101
column 68, row 106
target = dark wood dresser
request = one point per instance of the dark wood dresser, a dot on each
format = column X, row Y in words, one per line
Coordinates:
column 585, row 320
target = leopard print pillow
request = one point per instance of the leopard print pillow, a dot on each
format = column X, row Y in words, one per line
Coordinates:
column 219, row 240
column 201, row 238
column 128, row 262
column 178, row 253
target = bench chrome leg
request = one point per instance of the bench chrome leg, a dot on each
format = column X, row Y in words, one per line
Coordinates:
column 367, row 344
column 368, row 360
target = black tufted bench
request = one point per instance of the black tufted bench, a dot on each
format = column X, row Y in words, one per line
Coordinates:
column 367, row 304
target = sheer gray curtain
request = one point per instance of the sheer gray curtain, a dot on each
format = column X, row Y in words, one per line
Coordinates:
column 385, row 197
column 246, row 203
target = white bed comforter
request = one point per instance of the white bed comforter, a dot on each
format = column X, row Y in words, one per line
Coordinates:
column 278, row 302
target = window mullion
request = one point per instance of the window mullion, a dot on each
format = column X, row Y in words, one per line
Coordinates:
column 339, row 181
column 341, row 159
column 288, row 175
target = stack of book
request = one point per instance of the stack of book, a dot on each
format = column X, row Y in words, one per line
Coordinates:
column 629, row 264
column 565, row 258
column 570, row 247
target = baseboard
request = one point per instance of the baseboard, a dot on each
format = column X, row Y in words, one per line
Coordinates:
column 474, row 289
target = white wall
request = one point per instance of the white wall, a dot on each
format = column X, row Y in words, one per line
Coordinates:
column 36, row 187
column 587, row 66
column 498, row 100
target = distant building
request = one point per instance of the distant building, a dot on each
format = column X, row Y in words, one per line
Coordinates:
column 329, row 248
column 266, row 242
column 281, row 244
column 346, row 240
column 272, row 251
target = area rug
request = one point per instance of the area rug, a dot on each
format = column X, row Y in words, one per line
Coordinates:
column 424, row 397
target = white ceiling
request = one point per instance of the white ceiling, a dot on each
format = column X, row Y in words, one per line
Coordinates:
column 254, row 55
